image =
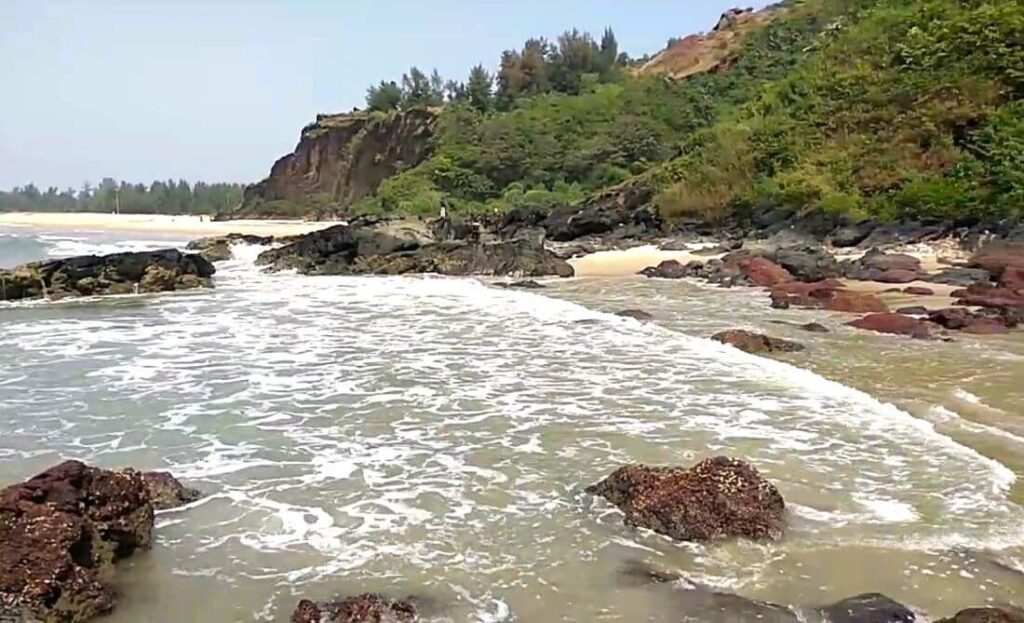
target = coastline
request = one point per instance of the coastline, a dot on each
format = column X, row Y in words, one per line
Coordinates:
column 155, row 223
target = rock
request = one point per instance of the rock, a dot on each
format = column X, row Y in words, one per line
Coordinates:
column 638, row 573
column 868, row 608
column 916, row 310
column 986, row 615
column 60, row 534
column 522, row 285
column 919, row 291
column 852, row 235
column 700, row 604
column 718, row 498
column 626, row 207
column 119, row 273
column 960, row 277
column 877, row 265
column 756, row 343
column 1012, row 278
column 671, row 269
column 827, row 294
column 400, row 246
column 814, row 327
column 339, row 160
column 764, row 272
column 366, row 608
column 165, row 492
column 997, row 257
column 636, row 314
column 808, row 264
column 990, row 296
column 218, row 248
column 896, row 324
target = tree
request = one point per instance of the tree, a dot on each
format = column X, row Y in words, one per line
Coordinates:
column 416, row 89
column 608, row 57
column 454, row 91
column 510, row 80
column 534, row 65
column 479, row 89
column 385, row 97
column 436, row 89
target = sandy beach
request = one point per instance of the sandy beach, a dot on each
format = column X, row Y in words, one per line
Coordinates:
column 155, row 223
column 630, row 261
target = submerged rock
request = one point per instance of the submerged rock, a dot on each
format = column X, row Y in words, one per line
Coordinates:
column 671, row 269
column 635, row 314
column 60, row 534
column 218, row 248
column 756, row 343
column 716, row 499
column 119, row 273
column 367, row 608
column 986, row 615
column 868, row 608
column 522, row 285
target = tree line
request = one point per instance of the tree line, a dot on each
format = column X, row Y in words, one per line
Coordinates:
column 567, row 66
column 159, row 197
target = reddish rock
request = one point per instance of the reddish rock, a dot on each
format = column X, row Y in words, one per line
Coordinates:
column 764, row 272
column 982, row 295
column 61, row 532
column 1013, row 278
column 997, row 257
column 366, row 608
column 718, row 498
column 829, row 294
column 987, row 615
column 854, row 302
column 918, row 291
column 755, row 343
column 897, row 324
column 898, row 276
column 986, row 326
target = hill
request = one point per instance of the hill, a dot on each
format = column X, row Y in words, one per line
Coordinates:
column 879, row 109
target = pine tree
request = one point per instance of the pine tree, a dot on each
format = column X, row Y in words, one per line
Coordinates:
column 510, row 80
column 479, row 89
column 387, row 96
column 416, row 89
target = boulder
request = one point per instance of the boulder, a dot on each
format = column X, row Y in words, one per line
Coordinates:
column 997, row 257
column 755, row 343
column 1012, row 278
column 528, row 284
column 218, row 248
column 764, row 272
column 915, row 310
column 60, row 534
column 852, row 235
column 981, row 295
column 625, row 207
column 166, row 492
column 986, row 615
column 919, row 291
column 808, row 263
column 877, row 265
column 671, row 269
column 896, row 324
column 868, row 608
column 960, row 277
column 719, row 498
column 828, row 294
column 118, row 273
column 814, row 327
column 366, row 608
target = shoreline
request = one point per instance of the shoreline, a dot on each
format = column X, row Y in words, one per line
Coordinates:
column 155, row 224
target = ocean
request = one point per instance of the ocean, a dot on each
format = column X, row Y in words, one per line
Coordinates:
column 433, row 436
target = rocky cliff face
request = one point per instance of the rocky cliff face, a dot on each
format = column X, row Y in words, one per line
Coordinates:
column 339, row 160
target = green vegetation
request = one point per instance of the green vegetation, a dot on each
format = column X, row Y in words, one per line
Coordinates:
column 868, row 108
column 168, row 197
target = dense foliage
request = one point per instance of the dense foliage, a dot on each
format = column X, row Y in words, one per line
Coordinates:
column 168, row 197
column 880, row 108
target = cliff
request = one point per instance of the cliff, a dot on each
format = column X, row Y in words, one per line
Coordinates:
column 339, row 160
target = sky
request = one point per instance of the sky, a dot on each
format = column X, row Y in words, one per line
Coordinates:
column 216, row 90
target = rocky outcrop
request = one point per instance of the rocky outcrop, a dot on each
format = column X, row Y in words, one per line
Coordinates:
column 395, row 247
column 986, row 615
column 218, row 248
column 983, row 295
column 339, row 160
column 829, row 294
column 120, row 273
column 671, row 269
column 718, row 498
column 166, row 492
column 755, row 343
column 61, row 533
column 625, row 210
column 366, row 608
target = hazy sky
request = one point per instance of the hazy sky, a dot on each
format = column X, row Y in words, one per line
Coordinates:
column 218, row 89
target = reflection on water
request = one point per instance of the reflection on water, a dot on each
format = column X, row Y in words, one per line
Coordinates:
column 432, row 437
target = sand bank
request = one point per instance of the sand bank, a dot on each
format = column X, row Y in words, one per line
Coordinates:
column 154, row 223
column 629, row 262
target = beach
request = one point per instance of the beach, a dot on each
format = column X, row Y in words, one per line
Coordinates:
column 155, row 223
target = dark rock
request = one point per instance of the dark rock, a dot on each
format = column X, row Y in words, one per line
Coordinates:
column 755, row 343
column 701, row 604
column 852, row 235
column 671, row 269
column 814, row 327
column 915, row 310
column 986, row 615
column 919, row 291
column 897, row 324
column 636, row 314
column 635, row 572
column 394, row 247
column 624, row 206
column 218, row 248
column 960, row 277
column 808, row 264
column 718, row 498
column 119, row 273
column 165, row 492
column 522, row 285
column 877, row 265
column 868, row 608
column 904, row 232
column 366, row 608
column 60, row 534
